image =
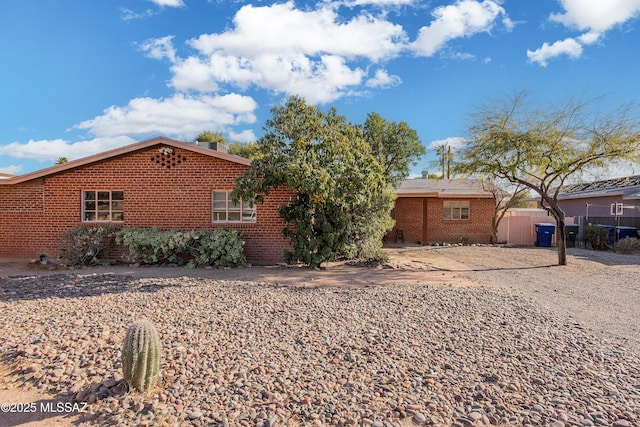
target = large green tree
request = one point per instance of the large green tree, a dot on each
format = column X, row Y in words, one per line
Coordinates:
column 395, row 145
column 343, row 202
column 208, row 136
column 247, row 150
column 542, row 149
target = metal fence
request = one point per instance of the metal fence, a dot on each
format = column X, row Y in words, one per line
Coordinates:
column 610, row 220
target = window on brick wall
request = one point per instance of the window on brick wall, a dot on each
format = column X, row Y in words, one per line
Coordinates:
column 224, row 210
column 456, row 210
column 104, row 206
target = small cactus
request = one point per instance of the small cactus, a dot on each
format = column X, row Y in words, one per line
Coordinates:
column 141, row 355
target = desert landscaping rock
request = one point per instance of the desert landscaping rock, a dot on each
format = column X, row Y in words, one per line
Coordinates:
column 243, row 353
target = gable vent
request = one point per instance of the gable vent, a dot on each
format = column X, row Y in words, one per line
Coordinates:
column 166, row 157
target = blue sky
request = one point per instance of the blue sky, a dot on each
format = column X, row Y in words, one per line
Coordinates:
column 80, row 77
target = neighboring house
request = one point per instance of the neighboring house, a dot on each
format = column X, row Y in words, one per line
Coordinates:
column 159, row 182
column 442, row 210
column 5, row 176
column 594, row 199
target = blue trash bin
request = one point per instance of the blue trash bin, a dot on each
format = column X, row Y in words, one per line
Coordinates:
column 544, row 234
column 624, row 232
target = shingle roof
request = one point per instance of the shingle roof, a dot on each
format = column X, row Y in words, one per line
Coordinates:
column 122, row 151
column 628, row 187
column 442, row 188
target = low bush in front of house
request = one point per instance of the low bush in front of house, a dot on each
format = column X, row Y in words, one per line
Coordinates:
column 596, row 237
column 86, row 245
column 628, row 245
column 197, row 248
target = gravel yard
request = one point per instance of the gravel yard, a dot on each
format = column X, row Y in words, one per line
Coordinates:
column 449, row 336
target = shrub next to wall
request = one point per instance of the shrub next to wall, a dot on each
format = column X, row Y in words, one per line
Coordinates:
column 193, row 248
column 86, row 245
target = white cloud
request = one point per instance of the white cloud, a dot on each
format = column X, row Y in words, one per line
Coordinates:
column 245, row 136
column 381, row 3
column 319, row 81
column 168, row 3
column 463, row 56
column 50, row 150
column 596, row 15
column 203, row 74
column 11, row 170
column 130, row 15
column 462, row 19
column 569, row 47
column 159, row 48
column 383, row 79
column 179, row 116
column 312, row 53
column 283, row 30
column 454, row 142
column 589, row 38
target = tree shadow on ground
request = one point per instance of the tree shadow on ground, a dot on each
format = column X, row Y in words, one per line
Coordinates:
column 72, row 286
column 608, row 258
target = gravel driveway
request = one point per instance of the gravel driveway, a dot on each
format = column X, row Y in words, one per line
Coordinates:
column 446, row 336
column 599, row 290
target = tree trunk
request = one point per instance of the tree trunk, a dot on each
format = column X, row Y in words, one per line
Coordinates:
column 561, row 240
column 494, row 231
column 561, row 237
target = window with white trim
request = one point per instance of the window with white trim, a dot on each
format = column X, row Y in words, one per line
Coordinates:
column 102, row 206
column 224, row 210
column 456, row 210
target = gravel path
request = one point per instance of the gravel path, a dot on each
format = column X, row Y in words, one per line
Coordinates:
column 257, row 354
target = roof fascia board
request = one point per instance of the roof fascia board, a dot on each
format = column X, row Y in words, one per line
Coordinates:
column 608, row 193
column 445, row 195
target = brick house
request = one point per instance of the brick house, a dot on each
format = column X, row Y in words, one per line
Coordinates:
column 441, row 210
column 158, row 182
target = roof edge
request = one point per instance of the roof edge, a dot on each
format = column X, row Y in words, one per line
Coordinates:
column 136, row 146
column 445, row 195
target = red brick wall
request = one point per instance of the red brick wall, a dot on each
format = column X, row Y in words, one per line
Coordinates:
column 175, row 197
column 421, row 220
column 477, row 229
column 409, row 219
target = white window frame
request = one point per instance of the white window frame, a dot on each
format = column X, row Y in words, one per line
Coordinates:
column 453, row 210
column 114, row 207
column 240, row 213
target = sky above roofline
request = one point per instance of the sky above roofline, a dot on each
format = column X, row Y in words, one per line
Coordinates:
column 77, row 78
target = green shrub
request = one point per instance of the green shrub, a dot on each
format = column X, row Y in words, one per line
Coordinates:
column 191, row 248
column 86, row 245
column 627, row 245
column 216, row 247
column 596, row 236
column 151, row 245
